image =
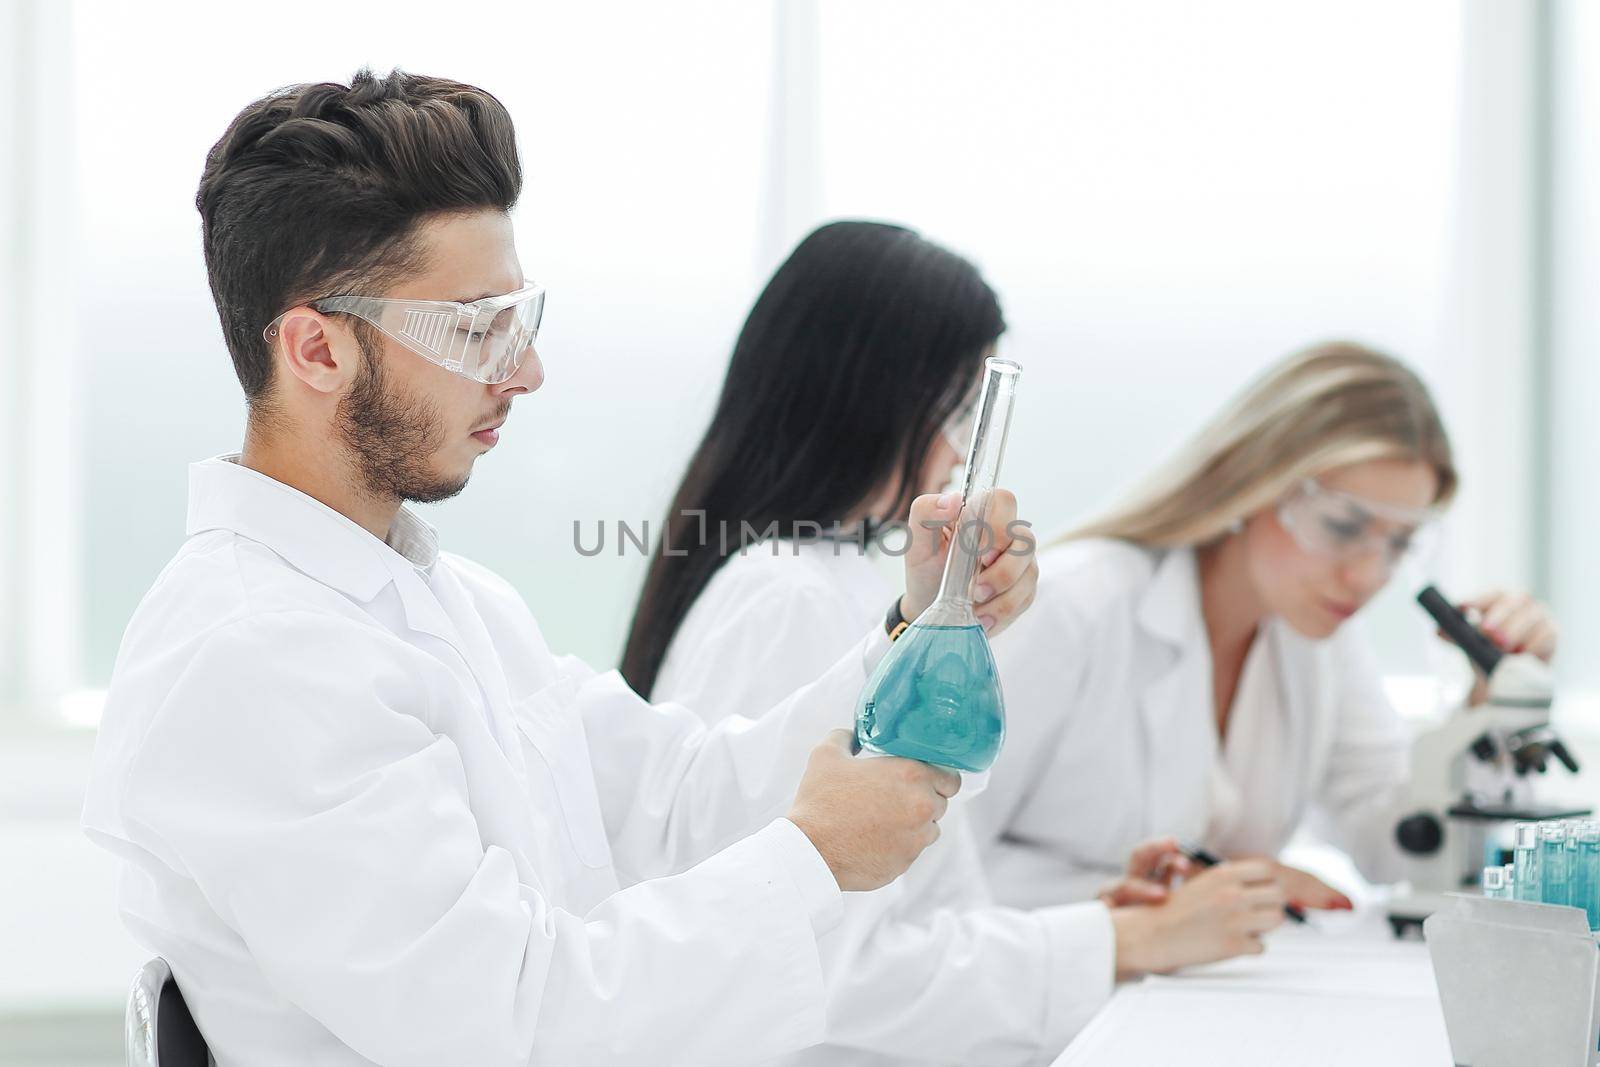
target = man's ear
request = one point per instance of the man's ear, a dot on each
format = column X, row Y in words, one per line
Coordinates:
column 312, row 348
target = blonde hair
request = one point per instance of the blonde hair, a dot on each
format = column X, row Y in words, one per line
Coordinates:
column 1328, row 406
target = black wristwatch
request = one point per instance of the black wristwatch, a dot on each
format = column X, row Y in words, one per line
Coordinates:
column 894, row 623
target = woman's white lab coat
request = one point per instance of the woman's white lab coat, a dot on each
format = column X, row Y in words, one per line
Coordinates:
column 368, row 817
column 928, row 969
column 1111, row 736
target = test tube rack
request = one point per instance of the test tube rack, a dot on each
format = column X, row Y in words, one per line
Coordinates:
column 1519, row 982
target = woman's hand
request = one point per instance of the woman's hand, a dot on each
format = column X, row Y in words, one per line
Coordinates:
column 1516, row 622
column 1151, row 868
column 1217, row 914
column 1305, row 890
column 1005, row 583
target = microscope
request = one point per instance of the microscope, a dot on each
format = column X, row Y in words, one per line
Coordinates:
column 1469, row 774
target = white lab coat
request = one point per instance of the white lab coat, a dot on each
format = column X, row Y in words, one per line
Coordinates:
column 1111, row 736
column 367, row 816
column 928, row 969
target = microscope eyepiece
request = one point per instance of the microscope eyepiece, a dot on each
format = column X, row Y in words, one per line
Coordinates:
column 1479, row 649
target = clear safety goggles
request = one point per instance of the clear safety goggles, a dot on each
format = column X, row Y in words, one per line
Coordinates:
column 485, row 340
column 1327, row 522
column 957, row 429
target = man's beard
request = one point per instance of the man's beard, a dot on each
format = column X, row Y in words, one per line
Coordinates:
column 392, row 437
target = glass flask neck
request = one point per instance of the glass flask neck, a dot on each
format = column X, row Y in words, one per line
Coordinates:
column 970, row 539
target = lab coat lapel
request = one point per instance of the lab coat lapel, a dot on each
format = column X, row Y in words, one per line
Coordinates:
column 1301, row 700
column 330, row 548
column 425, row 615
column 1178, row 734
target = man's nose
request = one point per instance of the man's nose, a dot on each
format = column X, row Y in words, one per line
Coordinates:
column 528, row 377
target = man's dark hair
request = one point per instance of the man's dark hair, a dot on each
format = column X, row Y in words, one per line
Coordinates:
column 319, row 189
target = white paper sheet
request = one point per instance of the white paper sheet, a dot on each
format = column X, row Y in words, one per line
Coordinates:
column 1343, row 994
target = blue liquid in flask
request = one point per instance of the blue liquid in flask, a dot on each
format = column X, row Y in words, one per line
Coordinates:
column 936, row 697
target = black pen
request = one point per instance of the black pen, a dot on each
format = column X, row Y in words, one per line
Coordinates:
column 1199, row 855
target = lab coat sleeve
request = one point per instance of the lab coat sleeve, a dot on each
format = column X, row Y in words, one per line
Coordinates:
column 976, row 984
column 1365, row 780
column 766, row 641
column 929, row 968
column 293, row 774
column 673, row 790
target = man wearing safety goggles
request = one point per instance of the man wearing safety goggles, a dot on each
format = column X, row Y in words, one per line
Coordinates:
column 366, row 815
column 487, row 339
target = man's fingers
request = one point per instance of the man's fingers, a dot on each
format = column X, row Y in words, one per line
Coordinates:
column 1002, row 509
column 933, row 517
column 946, row 783
column 999, row 577
column 1001, row 611
column 1005, row 535
column 843, row 740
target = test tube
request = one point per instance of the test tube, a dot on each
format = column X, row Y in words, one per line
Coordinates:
column 1577, row 873
column 1588, row 859
column 1554, row 883
column 1525, row 858
column 1494, row 883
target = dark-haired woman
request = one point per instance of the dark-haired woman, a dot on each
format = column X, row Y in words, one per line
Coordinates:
column 845, row 397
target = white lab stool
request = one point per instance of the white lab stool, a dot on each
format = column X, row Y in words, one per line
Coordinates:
column 160, row 1031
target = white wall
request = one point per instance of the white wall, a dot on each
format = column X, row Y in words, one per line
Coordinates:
column 642, row 131
column 1167, row 196
column 1575, row 339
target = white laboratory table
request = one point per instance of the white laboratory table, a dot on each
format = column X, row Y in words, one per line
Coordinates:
column 1341, row 993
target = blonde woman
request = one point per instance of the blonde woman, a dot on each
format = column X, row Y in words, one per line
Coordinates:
column 1186, row 668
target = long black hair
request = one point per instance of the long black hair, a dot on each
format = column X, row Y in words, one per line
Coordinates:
column 864, row 343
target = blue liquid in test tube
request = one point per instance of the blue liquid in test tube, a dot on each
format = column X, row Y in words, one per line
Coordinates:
column 1588, row 860
column 1554, row 881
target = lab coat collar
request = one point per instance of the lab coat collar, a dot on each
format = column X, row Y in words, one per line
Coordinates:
column 1170, row 607
column 224, row 494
